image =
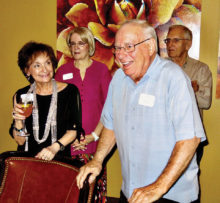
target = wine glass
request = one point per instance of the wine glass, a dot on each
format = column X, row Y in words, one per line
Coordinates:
column 27, row 106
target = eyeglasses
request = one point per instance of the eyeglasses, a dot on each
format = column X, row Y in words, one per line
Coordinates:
column 128, row 47
column 175, row 40
column 79, row 44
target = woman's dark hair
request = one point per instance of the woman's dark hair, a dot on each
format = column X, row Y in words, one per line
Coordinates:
column 30, row 51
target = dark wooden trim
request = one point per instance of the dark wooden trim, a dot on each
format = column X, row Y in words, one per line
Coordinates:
column 112, row 200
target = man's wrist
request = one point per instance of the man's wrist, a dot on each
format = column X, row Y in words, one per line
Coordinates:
column 97, row 160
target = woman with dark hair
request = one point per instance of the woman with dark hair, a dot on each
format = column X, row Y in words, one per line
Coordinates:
column 55, row 120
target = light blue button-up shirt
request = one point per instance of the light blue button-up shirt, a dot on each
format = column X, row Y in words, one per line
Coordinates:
column 148, row 119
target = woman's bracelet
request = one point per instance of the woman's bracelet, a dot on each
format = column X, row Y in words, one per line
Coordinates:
column 96, row 137
column 18, row 130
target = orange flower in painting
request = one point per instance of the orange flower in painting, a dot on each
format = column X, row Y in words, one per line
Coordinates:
column 103, row 18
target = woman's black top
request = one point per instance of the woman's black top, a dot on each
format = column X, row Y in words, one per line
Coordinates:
column 69, row 117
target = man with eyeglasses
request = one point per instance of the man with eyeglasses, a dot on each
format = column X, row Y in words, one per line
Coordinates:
column 151, row 114
column 179, row 41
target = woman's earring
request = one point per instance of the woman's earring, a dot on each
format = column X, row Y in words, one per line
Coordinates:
column 28, row 77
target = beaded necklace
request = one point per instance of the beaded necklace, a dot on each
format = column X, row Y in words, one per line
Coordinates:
column 51, row 122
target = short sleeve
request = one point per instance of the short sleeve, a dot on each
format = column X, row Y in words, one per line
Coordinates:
column 184, row 111
column 107, row 112
column 106, row 78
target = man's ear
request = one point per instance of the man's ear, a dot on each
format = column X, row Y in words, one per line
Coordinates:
column 152, row 46
column 188, row 44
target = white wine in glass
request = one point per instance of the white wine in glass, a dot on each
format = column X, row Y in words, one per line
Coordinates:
column 27, row 109
column 26, row 106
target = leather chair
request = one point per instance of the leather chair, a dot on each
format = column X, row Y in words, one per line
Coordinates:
column 25, row 179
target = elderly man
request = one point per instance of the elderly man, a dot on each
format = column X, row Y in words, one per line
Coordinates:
column 179, row 41
column 151, row 114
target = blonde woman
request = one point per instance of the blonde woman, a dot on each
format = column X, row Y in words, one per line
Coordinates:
column 92, row 79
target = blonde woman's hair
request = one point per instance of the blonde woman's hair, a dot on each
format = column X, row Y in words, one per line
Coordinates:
column 86, row 36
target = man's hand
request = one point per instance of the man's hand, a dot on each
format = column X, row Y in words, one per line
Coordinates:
column 180, row 158
column 146, row 194
column 195, row 85
column 94, row 168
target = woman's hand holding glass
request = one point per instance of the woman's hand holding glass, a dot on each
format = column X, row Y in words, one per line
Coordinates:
column 21, row 111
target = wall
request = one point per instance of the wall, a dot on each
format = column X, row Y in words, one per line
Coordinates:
column 24, row 20
column 20, row 22
column 210, row 166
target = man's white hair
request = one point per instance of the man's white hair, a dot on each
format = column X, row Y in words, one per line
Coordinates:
column 148, row 30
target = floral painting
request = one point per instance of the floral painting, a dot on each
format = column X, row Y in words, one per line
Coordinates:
column 218, row 73
column 103, row 18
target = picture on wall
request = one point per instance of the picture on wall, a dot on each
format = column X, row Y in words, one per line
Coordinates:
column 218, row 73
column 103, row 18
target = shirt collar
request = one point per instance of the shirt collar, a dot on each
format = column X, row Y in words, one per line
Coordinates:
column 187, row 61
column 154, row 69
